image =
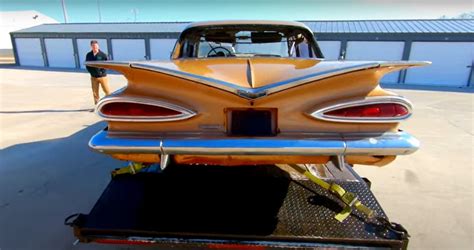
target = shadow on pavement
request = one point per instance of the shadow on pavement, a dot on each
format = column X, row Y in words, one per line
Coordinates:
column 48, row 69
column 46, row 111
column 43, row 182
column 14, row 66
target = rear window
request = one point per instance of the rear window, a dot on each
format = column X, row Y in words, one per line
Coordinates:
column 248, row 41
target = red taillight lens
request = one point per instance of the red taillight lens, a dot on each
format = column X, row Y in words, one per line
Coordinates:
column 371, row 110
column 136, row 109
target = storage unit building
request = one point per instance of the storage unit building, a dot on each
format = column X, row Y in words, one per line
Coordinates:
column 448, row 43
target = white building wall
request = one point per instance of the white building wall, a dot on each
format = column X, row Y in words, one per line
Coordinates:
column 17, row 20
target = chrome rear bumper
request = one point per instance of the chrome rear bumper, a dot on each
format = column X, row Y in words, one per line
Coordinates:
column 396, row 143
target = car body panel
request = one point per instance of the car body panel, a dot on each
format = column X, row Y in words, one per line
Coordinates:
column 210, row 102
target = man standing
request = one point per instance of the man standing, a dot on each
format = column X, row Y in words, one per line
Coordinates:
column 98, row 75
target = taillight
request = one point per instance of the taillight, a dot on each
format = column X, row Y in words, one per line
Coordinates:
column 132, row 109
column 136, row 109
column 372, row 109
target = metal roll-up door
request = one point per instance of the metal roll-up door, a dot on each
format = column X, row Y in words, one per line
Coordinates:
column 160, row 49
column 128, row 49
column 451, row 63
column 29, row 52
column 331, row 49
column 60, row 52
column 377, row 51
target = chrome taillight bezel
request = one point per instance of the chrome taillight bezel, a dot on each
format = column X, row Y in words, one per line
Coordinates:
column 320, row 113
column 184, row 112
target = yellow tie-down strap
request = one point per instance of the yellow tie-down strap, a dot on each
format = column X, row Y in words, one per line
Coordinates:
column 132, row 168
column 349, row 198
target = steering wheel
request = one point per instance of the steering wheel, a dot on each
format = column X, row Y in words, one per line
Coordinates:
column 213, row 52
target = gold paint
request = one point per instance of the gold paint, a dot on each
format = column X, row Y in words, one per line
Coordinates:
column 235, row 160
column 143, row 158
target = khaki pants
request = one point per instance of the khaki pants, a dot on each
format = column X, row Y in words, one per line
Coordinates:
column 102, row 81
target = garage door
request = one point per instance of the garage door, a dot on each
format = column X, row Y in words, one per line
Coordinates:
column 83, row 47
column 29, row 51
column 60, row 53
column 161, row 49
column 452, row 62
column 378, row 51
column 331, row 49
column 128, row 49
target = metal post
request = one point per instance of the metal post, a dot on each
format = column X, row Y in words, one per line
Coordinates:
column 147, row 48
column 15, row 50
column 405, row 57
column 470, row 80
column 342, row 50
column 63, row 3
column 339, row 161
column 44, row 52
column 76, row 53
column 109, row 48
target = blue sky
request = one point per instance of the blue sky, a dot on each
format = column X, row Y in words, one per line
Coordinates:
column 188, row 10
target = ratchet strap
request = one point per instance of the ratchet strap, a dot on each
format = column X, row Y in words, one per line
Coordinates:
column 132, row 168
column 348, row 198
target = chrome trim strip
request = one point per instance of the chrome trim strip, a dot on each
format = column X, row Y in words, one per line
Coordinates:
column 250, row 73
column 261, row 146
column 103, row 143
column 185, row 113
column 404, row 63
column 399, row 143
column 319, row 113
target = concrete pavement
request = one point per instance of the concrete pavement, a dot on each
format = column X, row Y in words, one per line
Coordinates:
column 47, row 171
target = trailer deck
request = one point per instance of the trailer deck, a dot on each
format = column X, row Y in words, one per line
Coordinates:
column 230, row 207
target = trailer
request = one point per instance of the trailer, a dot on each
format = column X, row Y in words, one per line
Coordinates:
column 245, row 207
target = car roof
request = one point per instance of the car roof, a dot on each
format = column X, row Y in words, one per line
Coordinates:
column 247, row 22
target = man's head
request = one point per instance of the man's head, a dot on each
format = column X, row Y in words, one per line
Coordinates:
column 94, row 46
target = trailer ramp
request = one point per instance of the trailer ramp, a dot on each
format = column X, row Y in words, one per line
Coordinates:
column 250, row 207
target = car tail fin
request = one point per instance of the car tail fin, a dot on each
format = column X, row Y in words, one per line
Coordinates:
column 391, row 66
column 121, row 67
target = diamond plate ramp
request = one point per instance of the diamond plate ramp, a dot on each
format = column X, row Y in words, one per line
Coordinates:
column 243, row 203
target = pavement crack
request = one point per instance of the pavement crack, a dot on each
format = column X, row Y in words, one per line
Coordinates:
column 460, row 128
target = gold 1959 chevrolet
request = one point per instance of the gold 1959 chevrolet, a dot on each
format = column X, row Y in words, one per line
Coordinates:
column 253, row 93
